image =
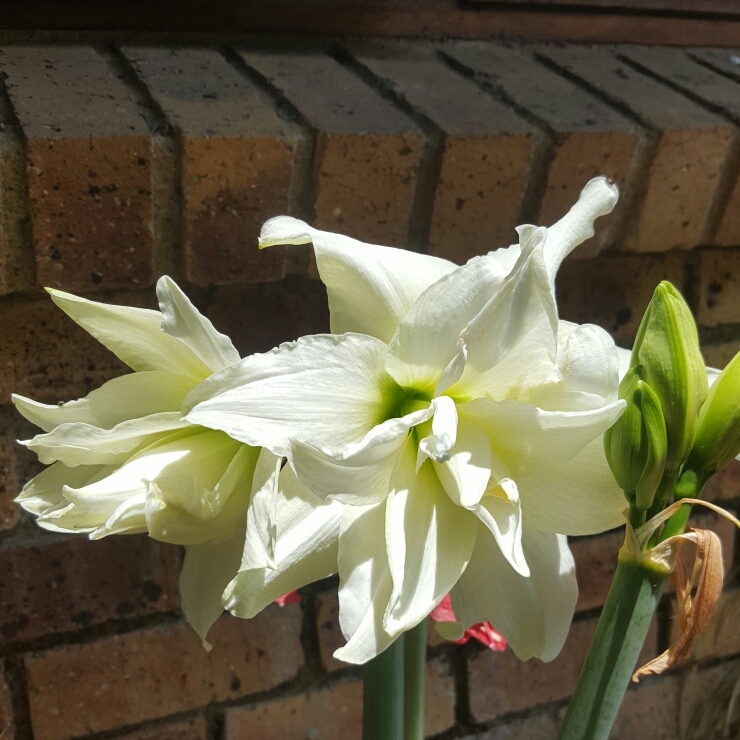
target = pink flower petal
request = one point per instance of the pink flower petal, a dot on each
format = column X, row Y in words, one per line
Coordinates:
column 293, row 597
column 483, row 631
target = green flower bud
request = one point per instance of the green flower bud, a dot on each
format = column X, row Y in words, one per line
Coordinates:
column 667, row 348
column 636, row 445
column 717, row 440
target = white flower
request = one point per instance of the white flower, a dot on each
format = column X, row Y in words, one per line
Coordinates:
column 453, row 427
column 123, row 460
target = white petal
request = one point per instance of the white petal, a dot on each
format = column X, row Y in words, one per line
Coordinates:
column 597, row 198
column 206, row 572
column 259, row 551
column 577, row 497
column 465, row 477
column 180, row 319
column 427, row 338
column 438, row 445
column 128, row 397
column 429, row 541
column 370, row 288
column 44, row 491
column 128, row 518
column 134, row 335
column 305, row 549
column 625, row 357
column 83, row 444
column 331, row 389
column 528, row 438
column 504, row 521
column 534, row 613
column 364, row 583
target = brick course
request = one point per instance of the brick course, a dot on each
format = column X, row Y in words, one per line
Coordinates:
column 159, row 159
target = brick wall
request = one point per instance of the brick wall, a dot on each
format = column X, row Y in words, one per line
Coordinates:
column 119, row 164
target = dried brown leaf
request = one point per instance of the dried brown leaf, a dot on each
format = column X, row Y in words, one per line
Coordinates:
column 694, row 614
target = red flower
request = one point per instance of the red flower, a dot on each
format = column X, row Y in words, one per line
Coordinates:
column 483, row 631
column 292, row 597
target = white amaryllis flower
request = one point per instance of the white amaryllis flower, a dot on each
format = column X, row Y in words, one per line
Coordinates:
column 452, row 425
column 123, row 460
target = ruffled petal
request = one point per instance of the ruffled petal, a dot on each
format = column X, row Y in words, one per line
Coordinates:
column 134, row 335
column 305, row 549
column 364, row 583
column 180, row 319
column 438, row 445
column 324, row 388
column 206, row 572
column 370, row 288
column 259, row 551
column 429, row 541
column 533, row 614
column 578, row 497
column 128, row 397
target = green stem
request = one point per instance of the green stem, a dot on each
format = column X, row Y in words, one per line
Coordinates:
column 620, row 634
column 382, row 695
column 414, row 665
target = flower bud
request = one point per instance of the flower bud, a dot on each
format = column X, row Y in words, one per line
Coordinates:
column 667, row 349
column 636, row 445
column 717, row 440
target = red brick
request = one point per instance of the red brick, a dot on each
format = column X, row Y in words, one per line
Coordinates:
column 236, row 166
column 439, row 698
column 613, row 290
column 89, row 159
column 541, row 725
column 295, row 307
column 589, row 137
column 718, row 355
column 325, row 714
column 719, row 287
column 126, row 679
column 691, row 149
column 188, row 729
column 500, row 683
column 7, row 723
column 596, row 563
column 707, row 701
column 725, row 486
column 45, row 355
column 675, row 66
column 69, row 586
column 9, row 511
column 367, row 152
column 649, row 711
column 486, row 153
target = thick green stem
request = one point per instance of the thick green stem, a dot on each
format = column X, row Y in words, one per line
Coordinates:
column 620, row 634
column 382, row 695
column 414, row 665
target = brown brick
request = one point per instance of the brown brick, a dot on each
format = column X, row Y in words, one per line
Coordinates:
column 439, row 698
column 367, row 152
column 719, row 287
column 7, row 723
column 89, row 156
column 613, row 290
column 126, row 679
column 590, row 138
column 596, row 563
column 295, row 307
column 541, row 725
column 649, row 711
column 678, row 68
column 486, row 154
column 9, row 511
column 325, row 714
column 501, row 683
column 45, row 355
column 188, row 729
column 718, row 355
column 725, row 486
column 692, row 147
column 707, row 699
column 236, row 166
column 69, row 586
column 330, row 635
